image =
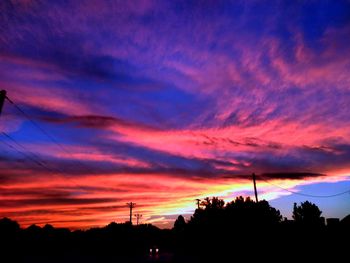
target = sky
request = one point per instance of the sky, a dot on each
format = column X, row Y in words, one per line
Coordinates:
column 163, row 102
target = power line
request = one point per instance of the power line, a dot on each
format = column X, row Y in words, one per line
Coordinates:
column 303, row 194
column 35, row 158
column 39, row 163
column 131, row 205
column 22, row 153
column 255, row 190
column 34, row 123
column 138, row 218
column 18, row 144
column 49, row 136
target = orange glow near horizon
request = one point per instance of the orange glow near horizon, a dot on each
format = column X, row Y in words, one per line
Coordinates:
column 105, row 197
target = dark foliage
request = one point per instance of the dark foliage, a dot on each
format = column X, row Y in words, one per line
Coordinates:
column 307, row 214
column 217, row 232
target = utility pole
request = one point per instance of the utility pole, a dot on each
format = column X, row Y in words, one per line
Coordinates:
column 138, row 217
column 2, row 99
column 198, row 203
column 255, row 191
column 131, row 205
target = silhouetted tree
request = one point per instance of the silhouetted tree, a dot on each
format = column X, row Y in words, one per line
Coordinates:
column 346, row 221
column 180, row 224
column 247, row 212
column 237, row 214
column 213, row 203
column 48, row 228
column 211, row 215
column 8, row 226
column 33, row 229
column 307, row 213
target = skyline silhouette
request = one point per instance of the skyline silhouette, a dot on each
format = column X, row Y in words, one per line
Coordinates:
column 196, row 240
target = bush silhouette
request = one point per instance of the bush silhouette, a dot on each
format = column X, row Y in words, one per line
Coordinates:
column 180, row 224
column 307, row 214
column 236, row 214
column 8, row 226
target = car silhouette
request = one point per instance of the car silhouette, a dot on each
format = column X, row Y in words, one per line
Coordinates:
column 154, row 251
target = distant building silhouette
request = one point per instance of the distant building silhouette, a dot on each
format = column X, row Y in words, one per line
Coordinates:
column 331, row 222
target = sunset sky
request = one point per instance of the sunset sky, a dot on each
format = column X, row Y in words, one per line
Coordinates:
column 163, row 102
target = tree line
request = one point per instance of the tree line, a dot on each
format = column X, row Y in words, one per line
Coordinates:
column 216, row 231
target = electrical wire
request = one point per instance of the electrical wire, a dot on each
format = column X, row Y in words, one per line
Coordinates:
column 303, row 194
column 35, row 158
column 23, row 154
column 50, row 137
